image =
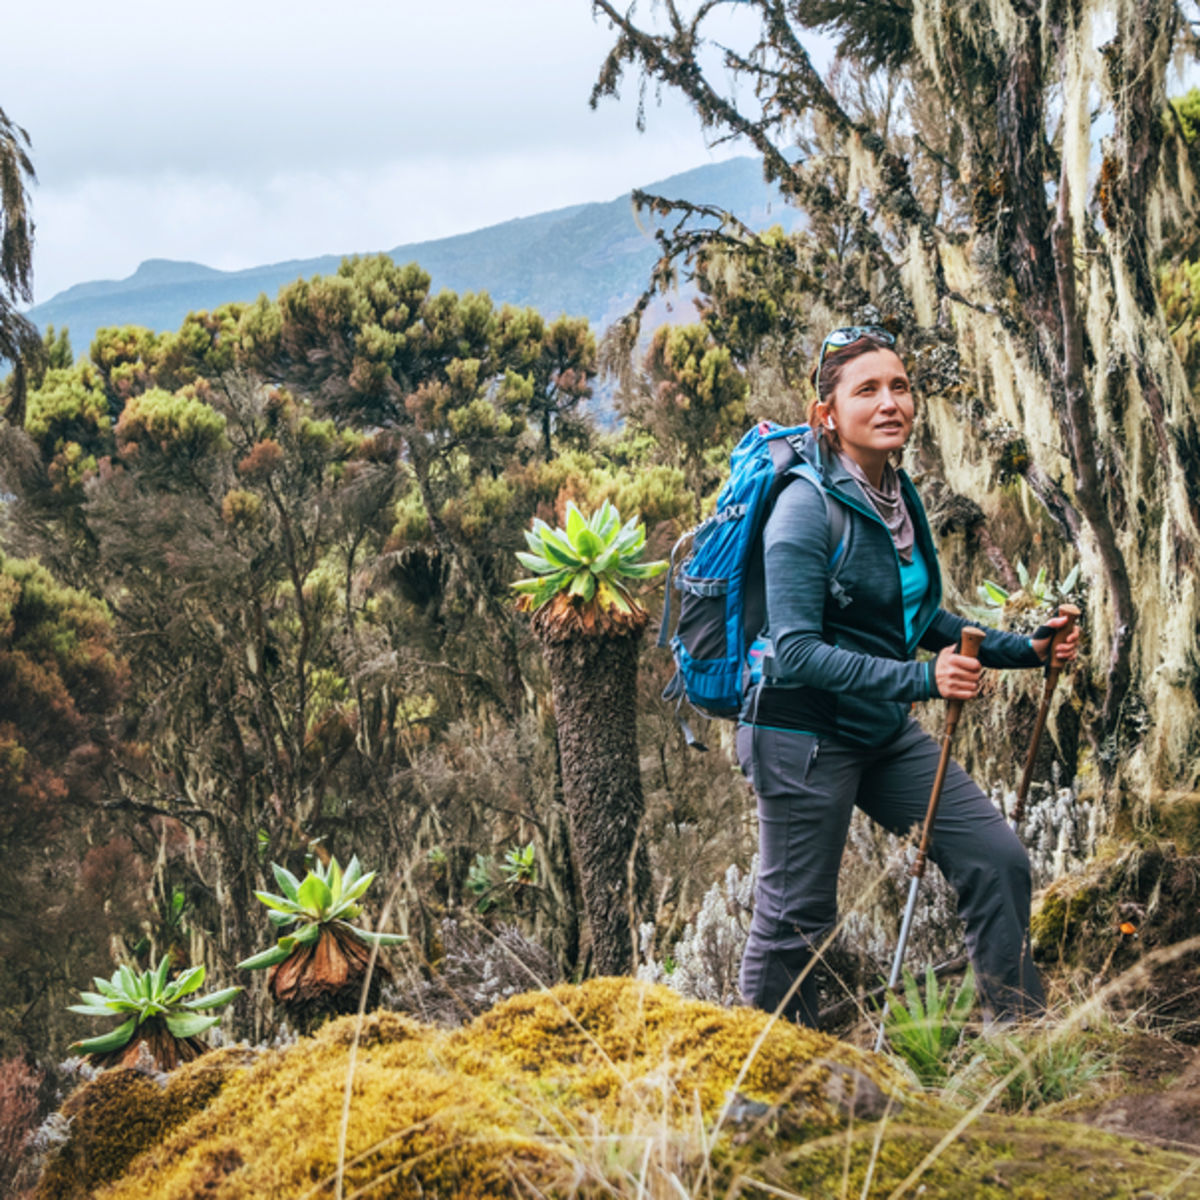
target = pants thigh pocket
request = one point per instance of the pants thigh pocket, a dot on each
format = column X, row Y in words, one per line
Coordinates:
column 779, row 762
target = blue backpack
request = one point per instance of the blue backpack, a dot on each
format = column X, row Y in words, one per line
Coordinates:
column 719, row 643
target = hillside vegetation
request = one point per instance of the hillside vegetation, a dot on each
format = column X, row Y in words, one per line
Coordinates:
column 258, row 640
column 605, row 1088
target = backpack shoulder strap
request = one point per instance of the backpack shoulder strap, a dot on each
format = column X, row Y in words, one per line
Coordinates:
column 839, row 532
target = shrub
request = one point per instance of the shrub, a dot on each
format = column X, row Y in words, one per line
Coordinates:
column 18, row 1113
column 479, row 968
column 707, row 958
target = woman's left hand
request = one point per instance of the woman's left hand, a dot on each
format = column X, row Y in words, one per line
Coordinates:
column 1066, row 649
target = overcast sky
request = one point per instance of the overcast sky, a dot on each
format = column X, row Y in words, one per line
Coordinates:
column 241, row 132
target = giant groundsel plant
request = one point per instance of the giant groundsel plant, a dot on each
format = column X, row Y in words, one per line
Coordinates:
column 593, row 558
column 166, row 1016
column 319, row 966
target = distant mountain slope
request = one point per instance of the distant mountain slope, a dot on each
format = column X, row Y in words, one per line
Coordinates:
column 589, row 259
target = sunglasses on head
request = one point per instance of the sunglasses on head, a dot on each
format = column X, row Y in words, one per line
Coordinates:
column 847, row 335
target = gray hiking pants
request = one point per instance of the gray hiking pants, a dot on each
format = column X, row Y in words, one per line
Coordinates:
column 807, row 788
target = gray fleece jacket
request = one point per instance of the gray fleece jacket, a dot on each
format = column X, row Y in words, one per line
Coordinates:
column 840, row 663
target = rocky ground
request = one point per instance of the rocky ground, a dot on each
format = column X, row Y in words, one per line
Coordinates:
column 1161, row 1103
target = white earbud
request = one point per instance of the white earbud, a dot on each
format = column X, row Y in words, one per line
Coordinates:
column 828, row 424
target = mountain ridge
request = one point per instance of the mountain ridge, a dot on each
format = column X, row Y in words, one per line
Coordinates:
column 591, row 259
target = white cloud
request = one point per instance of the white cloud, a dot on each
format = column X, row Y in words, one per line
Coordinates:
column 255, row 85
column 248, row 131
column 102, row 227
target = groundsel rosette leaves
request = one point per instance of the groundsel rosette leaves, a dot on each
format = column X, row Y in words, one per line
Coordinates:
column 146, row 995
column 325, row 895
column 592, row 559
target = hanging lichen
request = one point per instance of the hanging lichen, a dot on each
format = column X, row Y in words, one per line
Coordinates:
column 1005, row 204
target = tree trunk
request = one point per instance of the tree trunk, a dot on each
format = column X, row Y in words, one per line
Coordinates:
column 594, row 683
column 562, row 935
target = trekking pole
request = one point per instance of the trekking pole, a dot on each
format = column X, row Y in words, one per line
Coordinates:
column 1060, row 635
column 971, row 637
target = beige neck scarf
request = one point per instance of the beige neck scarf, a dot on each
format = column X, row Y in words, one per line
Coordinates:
column 888, row 501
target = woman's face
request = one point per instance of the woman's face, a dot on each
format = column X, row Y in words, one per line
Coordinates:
column 872, row 408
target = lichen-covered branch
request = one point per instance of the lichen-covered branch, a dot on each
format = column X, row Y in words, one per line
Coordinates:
column 1089, row 489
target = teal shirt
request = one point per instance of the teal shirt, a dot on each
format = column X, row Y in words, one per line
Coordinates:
column 914, row 582
column 845, row 669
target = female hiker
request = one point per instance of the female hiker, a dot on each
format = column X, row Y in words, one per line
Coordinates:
column 830, row 728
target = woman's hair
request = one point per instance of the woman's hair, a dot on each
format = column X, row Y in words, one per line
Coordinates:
column 831, row 367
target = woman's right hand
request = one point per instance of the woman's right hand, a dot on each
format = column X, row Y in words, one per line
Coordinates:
column 956, row 675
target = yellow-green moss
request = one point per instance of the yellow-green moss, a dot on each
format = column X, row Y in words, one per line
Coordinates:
column 1105, row 917
column 123, row 1112
column 1064, row 908
column 1177, row 818
column 582, row 1091
column 536, row 1087
column 995, row 1159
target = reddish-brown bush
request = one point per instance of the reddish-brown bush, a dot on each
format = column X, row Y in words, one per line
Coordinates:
column 18, row 1114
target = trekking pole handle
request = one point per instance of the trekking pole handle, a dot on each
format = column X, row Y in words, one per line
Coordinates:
column 970, row 641
column 971, row 638
column 1060, row 635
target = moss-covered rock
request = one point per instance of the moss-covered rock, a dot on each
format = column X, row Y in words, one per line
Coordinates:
column 596, row 1090
column 1177, row 817
column 1130, row 922
column 1064, row 912
column 122, row 1112
column 1106, row 917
